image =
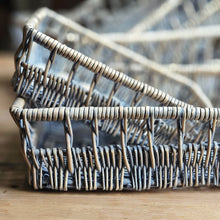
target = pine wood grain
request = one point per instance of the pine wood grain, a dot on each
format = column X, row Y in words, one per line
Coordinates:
column 19, row 201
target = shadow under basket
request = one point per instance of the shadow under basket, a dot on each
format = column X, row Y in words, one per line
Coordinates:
column 64, row 153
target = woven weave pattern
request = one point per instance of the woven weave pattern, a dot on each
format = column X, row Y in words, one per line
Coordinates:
column 87, row 126
column 39, row 68
column 47, row 89
column 119, row 166
column 48, row 168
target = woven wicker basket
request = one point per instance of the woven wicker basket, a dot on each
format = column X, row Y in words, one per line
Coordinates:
column 43, row 81
column 47, row 71
column 61, row 163
column 61, row 82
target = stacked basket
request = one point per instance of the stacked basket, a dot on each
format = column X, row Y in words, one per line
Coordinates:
column 86, row 126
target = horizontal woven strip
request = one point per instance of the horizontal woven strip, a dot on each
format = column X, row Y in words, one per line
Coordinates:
column 49, row 168
column 84, row 113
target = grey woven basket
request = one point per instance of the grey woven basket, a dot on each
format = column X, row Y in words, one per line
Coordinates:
column 57, row 161
column 47, row 70
column 48, row 83
column 61, row 83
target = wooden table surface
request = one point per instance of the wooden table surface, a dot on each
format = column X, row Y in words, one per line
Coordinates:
column 19, row 201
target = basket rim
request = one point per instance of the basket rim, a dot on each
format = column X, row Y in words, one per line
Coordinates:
column 72, row 54
column 18, row 111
